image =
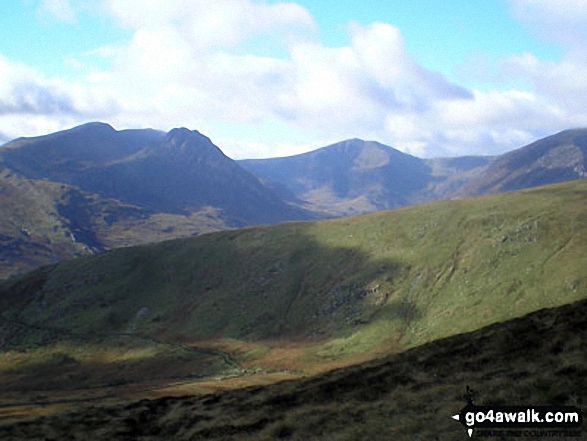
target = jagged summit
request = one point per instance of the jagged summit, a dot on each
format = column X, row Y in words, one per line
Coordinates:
column 191, row 144
column 183, row 134
column 178, row 173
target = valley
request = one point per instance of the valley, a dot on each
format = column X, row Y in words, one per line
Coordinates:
column 259, row 220
column 259, row 305
column 538, row 358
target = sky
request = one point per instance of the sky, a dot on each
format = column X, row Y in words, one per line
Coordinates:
column 270, row 78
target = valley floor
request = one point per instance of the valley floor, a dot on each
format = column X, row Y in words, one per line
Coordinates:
column 533, row 360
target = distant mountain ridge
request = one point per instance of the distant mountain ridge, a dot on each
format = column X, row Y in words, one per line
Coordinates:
column 92, row 187
column 356, row 176
column 177, row 172
column 64, row 156
column 352, row 176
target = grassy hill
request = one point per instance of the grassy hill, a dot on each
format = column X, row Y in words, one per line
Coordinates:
column 297, row 298
column 533, row 360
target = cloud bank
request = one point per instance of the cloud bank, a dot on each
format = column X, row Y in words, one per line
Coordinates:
column 230, row 67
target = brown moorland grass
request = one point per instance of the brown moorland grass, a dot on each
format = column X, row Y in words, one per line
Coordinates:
column 534, row 360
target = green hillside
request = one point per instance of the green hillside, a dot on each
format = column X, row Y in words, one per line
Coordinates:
column 535, row 359
column 307, row 296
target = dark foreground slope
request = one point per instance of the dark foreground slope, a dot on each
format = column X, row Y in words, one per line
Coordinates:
column 536, row 359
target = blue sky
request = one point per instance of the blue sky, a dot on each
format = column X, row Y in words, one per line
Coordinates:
column 441, row 35
column 270, row 78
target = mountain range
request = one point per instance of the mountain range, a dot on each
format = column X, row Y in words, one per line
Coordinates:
column 93, row 188
column 177, row 172
column 254, row 306
column 358, row 176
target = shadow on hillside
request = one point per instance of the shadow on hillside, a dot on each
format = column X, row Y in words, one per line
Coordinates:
column 279, row 283
column 537, row 359
column 253, row 283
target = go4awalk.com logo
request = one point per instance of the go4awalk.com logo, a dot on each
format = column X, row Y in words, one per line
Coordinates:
column 522, row 421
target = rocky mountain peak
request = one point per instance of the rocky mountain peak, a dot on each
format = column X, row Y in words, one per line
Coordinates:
column 190, row 143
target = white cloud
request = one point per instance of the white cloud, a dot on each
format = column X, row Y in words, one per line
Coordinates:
column 181, row 58
column 353, row 90
column 193, row 63
column 557, row 90
column 60, row 9
column 563, row 83
column 214, row 23
column 31, row 104
column 22, row 91
column 563, row 21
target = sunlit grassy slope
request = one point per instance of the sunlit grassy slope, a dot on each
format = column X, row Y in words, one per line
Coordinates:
column 379, row 282
column 412, row 274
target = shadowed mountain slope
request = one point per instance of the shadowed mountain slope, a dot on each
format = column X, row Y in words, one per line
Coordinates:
column 67, row 155
column 92, row 188
column 349, row 177
column 557, row 158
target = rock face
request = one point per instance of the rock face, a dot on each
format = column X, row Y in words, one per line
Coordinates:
column 191, row 146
